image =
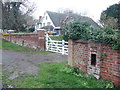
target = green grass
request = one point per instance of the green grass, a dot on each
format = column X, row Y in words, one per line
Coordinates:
column 59, row 38
column 59, row 75
column 6, row 45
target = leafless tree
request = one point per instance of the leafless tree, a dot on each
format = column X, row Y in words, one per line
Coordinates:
column 14, row 15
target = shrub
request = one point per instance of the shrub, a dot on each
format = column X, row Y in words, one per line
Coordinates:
column 76, row 30
column 107, row 36
column 82, row 30
column 54, row 33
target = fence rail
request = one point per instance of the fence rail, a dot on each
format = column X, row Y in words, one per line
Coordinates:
column 56, row 46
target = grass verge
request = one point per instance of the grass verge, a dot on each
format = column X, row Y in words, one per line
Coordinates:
column 59, row 75
column 6, row 45
column 59, row 38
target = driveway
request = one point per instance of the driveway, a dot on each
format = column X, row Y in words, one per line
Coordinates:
column 20, row 63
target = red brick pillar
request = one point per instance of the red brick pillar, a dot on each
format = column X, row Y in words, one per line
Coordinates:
column 71, row 53
column 41, row 39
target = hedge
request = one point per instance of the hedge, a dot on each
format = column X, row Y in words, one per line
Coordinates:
column 82, row 30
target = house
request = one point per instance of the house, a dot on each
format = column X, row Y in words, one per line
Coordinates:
column 53, row 21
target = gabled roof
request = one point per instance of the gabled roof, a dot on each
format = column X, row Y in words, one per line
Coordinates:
column 56, row 18
column 59, row 18
column 83, row 19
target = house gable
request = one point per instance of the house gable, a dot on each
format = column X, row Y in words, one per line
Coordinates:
column 46, row 21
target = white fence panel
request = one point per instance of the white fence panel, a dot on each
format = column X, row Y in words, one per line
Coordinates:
column 56, row 46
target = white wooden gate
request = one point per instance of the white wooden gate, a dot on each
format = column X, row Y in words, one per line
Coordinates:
column 56, row 46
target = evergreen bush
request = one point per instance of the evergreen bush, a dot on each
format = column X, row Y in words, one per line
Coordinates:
column 82, row 30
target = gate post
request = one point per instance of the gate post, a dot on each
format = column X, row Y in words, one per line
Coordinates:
column 46, row 41
column 41, row 39
column 63, row 43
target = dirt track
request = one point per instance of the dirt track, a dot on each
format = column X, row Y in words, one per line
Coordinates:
column 24, row 62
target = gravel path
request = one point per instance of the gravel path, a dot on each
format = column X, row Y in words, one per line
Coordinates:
column 20, row 63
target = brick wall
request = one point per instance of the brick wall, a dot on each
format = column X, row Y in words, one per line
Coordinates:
column 81, row 58
column 107, row 60
column 31, row 40
column 110, row 65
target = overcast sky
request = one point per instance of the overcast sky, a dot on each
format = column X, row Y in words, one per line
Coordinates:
column 91, row 8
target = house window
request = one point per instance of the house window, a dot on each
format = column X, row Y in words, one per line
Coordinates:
column 40, row 25
column 93, row 59
column 43, row 24
column 48, row 23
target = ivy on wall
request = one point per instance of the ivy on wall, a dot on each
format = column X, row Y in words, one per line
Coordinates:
column 82, row 30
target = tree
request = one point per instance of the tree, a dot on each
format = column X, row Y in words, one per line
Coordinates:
column 14, row 16
column 1, row 14
column 109, row 21
column 111, row 16
column 32, row 29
